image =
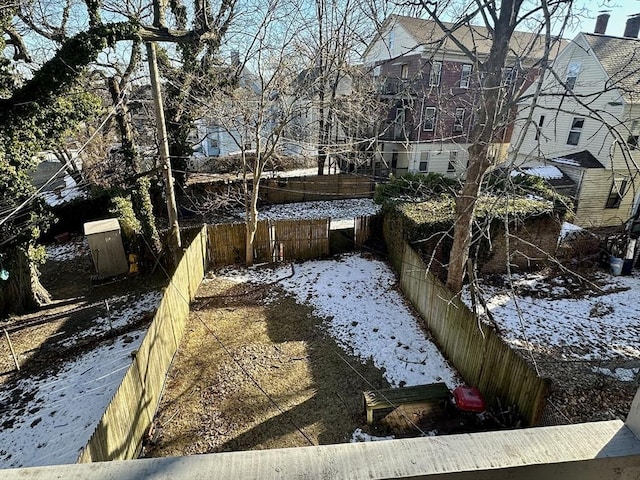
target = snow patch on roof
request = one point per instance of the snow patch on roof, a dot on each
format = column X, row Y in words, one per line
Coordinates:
column 547, row 172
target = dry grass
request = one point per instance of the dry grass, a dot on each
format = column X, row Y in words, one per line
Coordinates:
column 211, row 403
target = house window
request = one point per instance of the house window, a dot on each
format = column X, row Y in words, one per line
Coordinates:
column 539, row 127
column 618, row 189
column 429, row 121
column 576, row 130
column 247, row 146
column 376, row 71
column 423, row 166
column 465, row 76
column 404, row 71
column 458, row 120
column 435, row 74
column 394, row 160
column 572, row 75
column 453, row 159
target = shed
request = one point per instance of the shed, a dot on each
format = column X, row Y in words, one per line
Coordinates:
column 106, row 247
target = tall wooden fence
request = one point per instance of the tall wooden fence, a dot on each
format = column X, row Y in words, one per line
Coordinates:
column 321, row 187
column 279, row 240
column 129, row 415
column 481, row 357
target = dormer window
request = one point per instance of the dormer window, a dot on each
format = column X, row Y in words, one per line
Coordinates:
column 572, row 75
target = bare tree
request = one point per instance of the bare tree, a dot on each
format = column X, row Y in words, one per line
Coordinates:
column 493, row 109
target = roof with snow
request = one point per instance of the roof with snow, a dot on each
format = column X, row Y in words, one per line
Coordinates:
column 583, row 159
column 554, row 176
column 620, row 58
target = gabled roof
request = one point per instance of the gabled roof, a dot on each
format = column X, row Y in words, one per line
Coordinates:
column 620, row 58
column 475, row 38
column 583, row 159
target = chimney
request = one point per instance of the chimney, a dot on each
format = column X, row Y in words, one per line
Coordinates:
column 633, row 26
column 235, row 58
column 601, row 23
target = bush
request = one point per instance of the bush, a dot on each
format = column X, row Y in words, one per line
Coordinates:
column 414, row 187
column 122, row 208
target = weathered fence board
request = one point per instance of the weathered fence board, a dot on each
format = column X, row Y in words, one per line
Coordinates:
column 481, row 357
column 128, row 416
column 313, row 188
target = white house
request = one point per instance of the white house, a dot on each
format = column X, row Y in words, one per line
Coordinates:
column 586, row 122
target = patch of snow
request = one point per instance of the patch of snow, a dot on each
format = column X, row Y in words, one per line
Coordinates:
column 65, row 408
column 119, row 311
column 569, row 228
column 365, row 313
column 547, row 172
column 603, row 327
column 67, row 251
column 70, row 191
column 622, row 374
column 359, row 436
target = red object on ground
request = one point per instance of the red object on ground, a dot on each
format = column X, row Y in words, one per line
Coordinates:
column 469, row 399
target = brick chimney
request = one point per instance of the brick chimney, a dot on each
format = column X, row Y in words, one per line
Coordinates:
column 633, row 26
column 601, row 23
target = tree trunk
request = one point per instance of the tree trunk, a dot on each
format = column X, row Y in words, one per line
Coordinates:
column 489, row 113
column 22, row 291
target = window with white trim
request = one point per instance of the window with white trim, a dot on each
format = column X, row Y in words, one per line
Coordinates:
column 458, row 120
column 435, row 73
column 465, row 75
column 429, row 119
column 575, row 131
column 618, row 189
column 404, row 71
column 453, row 160
column 423, row 166
column 573, row 69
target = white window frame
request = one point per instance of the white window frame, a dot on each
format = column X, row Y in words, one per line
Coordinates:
column 423, row 163
column 465, row 75
column 617, row 192
column 429, row 113
column 575, row 132
column 573, row 70
column 435, row 74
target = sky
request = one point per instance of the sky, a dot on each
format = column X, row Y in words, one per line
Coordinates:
column 619, row 10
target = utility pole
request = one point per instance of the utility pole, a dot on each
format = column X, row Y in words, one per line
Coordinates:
column 163, row 147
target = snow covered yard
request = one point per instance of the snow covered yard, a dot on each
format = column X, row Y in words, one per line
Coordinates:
column 364, row 311
column 278, row 356
column 554, row 316
column 73, row 360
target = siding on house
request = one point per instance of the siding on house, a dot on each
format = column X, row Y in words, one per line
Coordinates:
column 559, row 109
column 592, row 199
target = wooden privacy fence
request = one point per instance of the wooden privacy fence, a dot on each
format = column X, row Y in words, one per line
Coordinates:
column 128, row 416
column 279, row 240
column 483, row 359
column 321, row 187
